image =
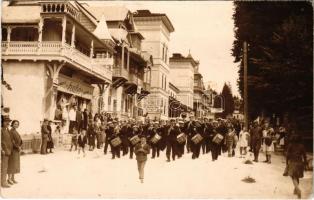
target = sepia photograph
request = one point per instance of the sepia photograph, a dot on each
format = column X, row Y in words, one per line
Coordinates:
column 156, row 99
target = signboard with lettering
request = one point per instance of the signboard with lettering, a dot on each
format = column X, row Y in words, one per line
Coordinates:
column 75, row 87
column 152, row 104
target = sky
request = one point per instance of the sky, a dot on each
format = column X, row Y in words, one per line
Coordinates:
column 205, row 28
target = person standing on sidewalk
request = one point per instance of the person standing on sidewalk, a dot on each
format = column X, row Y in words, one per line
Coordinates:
column 141, row 150
column 6, row 149
column 44, row 137
column 14, row 159
column 268, row 145
column 256, row 140
column 296, row 162
column 244, row 141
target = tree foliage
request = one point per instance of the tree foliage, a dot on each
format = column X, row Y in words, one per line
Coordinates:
column 280, row 57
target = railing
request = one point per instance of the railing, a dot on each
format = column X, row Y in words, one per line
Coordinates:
column 133, row 78
column 59, row 7
column 54, row 48
column 120, row 72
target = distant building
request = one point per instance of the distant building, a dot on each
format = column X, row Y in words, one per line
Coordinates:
column 182, row 76
column 156, row 29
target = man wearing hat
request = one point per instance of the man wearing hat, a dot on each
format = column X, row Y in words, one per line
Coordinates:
column 6, row 149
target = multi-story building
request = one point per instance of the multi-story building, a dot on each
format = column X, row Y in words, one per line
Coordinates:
column 132, row 67
column 174, row 105
column 182, row 76
column 156, row 29
column 202, row 97
column 51, row 59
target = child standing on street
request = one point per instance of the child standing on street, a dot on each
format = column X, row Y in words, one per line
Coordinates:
column 141, row 150
column 82, row 140
column 74, row 139
column 243, row 141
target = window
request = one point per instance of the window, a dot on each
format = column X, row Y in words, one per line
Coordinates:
column 163, row 51
column 165, row 83
column 162, row 81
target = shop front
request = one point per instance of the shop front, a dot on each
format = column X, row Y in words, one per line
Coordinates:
column 72, row 92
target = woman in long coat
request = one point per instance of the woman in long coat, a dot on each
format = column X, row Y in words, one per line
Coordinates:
column 14, row 159
column 296, row 162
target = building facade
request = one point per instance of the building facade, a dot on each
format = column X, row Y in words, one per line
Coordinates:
column 132, row 67
column 182, row 76
column 156, row 29
column 51, row 60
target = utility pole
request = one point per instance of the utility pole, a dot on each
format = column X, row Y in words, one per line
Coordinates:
column 245, row 96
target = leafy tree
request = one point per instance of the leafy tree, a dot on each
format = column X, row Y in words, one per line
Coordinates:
column 280, row 60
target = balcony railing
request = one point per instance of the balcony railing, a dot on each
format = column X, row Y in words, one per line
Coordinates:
column 120, row 72
column 133, row 78
column 59, row 7
column 52, row 49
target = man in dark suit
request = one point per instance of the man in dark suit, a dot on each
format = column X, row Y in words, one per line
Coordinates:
column 79, row 120
column 256, row 139
column 6, row 149
column 44, row 137
column 141, row 150
column 171, row 140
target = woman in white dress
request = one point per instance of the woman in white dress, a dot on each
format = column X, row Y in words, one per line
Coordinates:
column 243, row 141
column 268, row 145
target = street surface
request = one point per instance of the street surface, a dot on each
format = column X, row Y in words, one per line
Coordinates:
column 64, row 175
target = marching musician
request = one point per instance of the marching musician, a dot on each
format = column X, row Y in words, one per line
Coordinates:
column 152, row 131
column 124, row 137
column 115, row 150
column 109, row 131
column 171, row 140
column 180, row 149
column 133, row 131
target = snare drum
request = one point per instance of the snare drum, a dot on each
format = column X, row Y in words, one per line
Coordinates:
column 116, row 141
column 181, row 138
column 155, row 139
column 197, row 138
column 135, row 139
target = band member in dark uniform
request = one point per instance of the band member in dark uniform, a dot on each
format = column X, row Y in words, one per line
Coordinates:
column 152, row 131
column 188, row 127
column 180, row 146
column 133, row 131
column 208, row 129
column 171, row 140
column 124, row 138
column 214, row 146
column 109, row 131
column 115, row 150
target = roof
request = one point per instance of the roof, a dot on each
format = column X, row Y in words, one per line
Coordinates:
column 146, row 13
column 26, row 14
column 101, row 30
column 179, row 57
column 111, row 13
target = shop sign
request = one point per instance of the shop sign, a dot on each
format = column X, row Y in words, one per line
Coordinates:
column 152, row 104
column 75, row 87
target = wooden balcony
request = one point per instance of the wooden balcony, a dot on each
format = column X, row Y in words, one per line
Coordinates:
column 17, row 50
column 133, row 79
column 57, row 7
column 120, row 72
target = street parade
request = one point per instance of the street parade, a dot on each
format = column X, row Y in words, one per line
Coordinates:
column 157, row 99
